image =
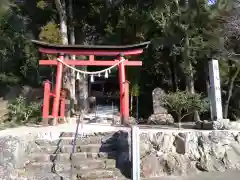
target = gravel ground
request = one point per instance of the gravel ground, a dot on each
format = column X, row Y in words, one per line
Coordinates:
column 91, row 128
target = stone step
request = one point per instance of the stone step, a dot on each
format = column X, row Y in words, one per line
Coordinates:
column 98, row 175
column 47, row 149
column 47, row 167
column 115, row 178
column 81, row 156
column 59, row 166
column 92, row 148
column 95, row 148
column 65, row 171
column 99, row 134
column 43, row 176
column 79, row 141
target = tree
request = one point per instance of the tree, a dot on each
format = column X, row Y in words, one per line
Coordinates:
column 184, row 103
column 18, row 56
column 231, row 52
column 191, row 25
column 66, row 30
column 184, row 35
column 62, row 13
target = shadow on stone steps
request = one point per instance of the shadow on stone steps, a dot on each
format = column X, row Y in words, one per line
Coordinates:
column 98, row 156
column 119, row 143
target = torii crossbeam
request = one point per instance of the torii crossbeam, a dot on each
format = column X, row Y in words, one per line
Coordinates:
column 61, row 50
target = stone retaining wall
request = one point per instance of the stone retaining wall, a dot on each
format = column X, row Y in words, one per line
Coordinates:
column 177, row 153
column 13, row 155
column 163, row 153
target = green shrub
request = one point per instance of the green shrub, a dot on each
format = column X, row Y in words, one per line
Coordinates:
column 20, row 111
column 9, row 79
column 184, row 103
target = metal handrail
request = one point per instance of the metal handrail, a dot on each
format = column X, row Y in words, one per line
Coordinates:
column 76, row 134
column 74, row 142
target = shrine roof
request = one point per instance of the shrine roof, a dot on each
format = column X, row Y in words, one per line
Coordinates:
column 85, row 49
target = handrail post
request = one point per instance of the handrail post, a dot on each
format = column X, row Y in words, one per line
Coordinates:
column 62, row 103
column 135, row 153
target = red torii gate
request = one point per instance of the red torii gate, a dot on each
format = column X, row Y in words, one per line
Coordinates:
column 91, row 51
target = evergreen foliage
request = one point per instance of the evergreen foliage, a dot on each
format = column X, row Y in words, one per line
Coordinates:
column 184, row 35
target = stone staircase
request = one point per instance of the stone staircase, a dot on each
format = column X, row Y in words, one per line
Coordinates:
column 96, row 157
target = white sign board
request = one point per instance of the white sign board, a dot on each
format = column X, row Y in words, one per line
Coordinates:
column 215, row 90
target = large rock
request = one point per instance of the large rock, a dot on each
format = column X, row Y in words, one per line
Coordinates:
column 158, row 100
column 222, row 124
column 160, row 119
column 235, row 125
column 7, row 159
column 160, row 114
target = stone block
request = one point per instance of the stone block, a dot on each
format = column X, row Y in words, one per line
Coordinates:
column 110, row 163
column 69, row 149
column 48, row 167
column 80, row 156
column 89, row 164
column 86, row 175
column 39, row 157
column 43, row 176
column 109, row 155
column 221, row 124
column 91, row 148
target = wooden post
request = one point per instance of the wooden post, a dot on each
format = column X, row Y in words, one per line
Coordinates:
column 46, row 102
column 126, row 102
column 58, row 86
column 62, row 103
column 62, row 111
column 62, row 108
column 121, row 70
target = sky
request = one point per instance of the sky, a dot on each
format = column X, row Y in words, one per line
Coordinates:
column 211, row 2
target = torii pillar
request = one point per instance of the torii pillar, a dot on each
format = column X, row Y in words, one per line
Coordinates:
column 124, row 92
column 57, row 90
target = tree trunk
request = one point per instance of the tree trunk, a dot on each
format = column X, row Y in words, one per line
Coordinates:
column 61, row 9
column 189, row 73
column 174, row 74
column 131, row 103
column 232, row 78
column 179, row 118
column 82, row 87
column 73, row 57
